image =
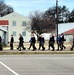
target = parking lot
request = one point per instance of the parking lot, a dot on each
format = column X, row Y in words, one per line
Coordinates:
column 39, row 64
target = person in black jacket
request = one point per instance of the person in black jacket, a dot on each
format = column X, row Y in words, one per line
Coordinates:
column 1, row 48
column 63, row 40
column 60, row 45
column 51, row 42
column 0, row 39
column 41, row 42
column 32, row 42
column 72, row 44
column 11, row 42
column 21, row 41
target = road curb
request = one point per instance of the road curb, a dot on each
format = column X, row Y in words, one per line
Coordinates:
column 34, row 52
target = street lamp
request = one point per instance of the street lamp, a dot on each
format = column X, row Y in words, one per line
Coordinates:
column 57, row 20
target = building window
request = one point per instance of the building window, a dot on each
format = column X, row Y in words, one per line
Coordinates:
column 13, row 23
column 23, row 33
column 23, row 23
column 14, row 33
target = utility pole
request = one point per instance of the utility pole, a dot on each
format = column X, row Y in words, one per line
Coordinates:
column 57, row 20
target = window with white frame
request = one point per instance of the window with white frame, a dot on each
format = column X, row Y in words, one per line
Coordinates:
column 13, row 23
column 24, row 23
column 24, row 33
column 14, row 33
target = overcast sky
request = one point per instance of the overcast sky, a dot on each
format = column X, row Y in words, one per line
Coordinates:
column 24, row 7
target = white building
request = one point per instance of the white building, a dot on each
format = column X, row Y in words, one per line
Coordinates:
column 65, row 27
column 69, row 35
column 17, row 25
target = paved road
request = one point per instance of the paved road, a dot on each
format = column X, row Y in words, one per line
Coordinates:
column 37, row 64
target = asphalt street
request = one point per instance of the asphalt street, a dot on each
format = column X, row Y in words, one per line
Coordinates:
column 50, row 64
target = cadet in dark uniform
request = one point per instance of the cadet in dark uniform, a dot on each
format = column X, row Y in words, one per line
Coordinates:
column 63, row 40
column 60, row 43
column 21, row 41
column 72, row 44
column 11, row 42
column 1, row 48
column 41, row 42
column 32, row 42
column 51, row 42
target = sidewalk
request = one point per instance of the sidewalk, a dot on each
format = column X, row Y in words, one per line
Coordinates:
column 15, row 52
column 6, row 50
column 26, row 45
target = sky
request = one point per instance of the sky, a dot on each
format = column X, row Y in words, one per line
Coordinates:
column 25, row 7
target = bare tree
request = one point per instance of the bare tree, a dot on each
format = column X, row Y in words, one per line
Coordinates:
column 41, row 23
column 5, row 9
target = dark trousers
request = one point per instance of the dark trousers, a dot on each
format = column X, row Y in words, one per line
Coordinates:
column 33, row 45
column 1, row 47
column 63, row 45
column 72, row 46
column 51, row 44
column 60, row 45
column 11, row 45
column 41, row 44
column 30, row 45
column 21, row 46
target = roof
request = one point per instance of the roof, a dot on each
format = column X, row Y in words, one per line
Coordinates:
column 14, row 15
column 71, row 31
column 4, row 22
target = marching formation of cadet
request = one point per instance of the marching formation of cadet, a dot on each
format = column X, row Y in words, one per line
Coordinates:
column 41, row 42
